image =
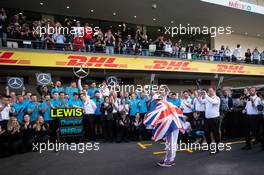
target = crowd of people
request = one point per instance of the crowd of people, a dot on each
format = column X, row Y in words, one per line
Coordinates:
column 111, row 116
column 16, row 31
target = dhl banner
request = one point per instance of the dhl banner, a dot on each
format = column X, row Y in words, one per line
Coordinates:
column 48, row 59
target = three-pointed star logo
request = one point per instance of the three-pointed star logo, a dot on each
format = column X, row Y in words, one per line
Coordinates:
column 43, row 78
column 81, row 71
column 15, row 83
column 112, row 81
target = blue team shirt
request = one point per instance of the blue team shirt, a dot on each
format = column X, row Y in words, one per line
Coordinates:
column 175, row 102
column 20, row 108
column 54, row 102
column 151, row 104
column 61, row 103
column 56, row 89
column 98, row 105
column 91, row 91
column 73, row 102
column 26, row 102
column 70, row 91
column 36, row 112
column 134, row 107
column 46, row 113
column 143, row 105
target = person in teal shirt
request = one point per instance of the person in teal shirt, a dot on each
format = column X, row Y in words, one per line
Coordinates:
column 98, row 101
column 45, row 108
column 143, row 104
column 57, row 88
column 134, row 106
column 63, row 102
column 174, row 100
column 92, row 90
column 75, row 102
column 55, row 100
column 33, row 108
column 20, row 108
column 70, row 90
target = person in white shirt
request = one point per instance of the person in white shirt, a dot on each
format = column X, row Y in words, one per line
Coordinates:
column 252, row 118
column 104, row 89
column 89, row 108
column 236, row 53
column 199, row 103
column 212, row 117
column 186, row 106
column 255, row 56
column 227, row 54
column 115, row 101
column 5, row 109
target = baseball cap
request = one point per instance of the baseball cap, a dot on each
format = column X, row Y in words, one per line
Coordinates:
column 156, row 97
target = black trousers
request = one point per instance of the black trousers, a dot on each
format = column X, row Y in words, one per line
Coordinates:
column 122, row 133
column 262, row 122
column 252, row 124
column 115, row 124
column 211, row 125
column 202, row 114
column 3, row 124
column 189, row 116
column 53, row 125
column 108, row 125
column 98, row 121
column 89, row 127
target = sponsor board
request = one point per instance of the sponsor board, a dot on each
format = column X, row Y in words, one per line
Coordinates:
column 70, row 60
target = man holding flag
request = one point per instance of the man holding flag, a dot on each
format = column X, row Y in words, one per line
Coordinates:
column 165, row 120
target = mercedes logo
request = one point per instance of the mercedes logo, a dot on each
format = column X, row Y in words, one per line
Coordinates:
column 15, row 83
column 43, row 78
column 112, row 81
column 81, row 71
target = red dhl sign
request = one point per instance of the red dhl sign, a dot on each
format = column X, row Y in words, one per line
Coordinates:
column 222, row 68
column 94, row 62
column 6, row 58
column 47, row 59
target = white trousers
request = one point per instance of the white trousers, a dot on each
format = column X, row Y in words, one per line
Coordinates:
column 171, row 146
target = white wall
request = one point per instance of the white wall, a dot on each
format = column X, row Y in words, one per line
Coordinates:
column 234, row 39
column 257, row 2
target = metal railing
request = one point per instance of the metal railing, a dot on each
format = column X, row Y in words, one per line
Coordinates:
column 94, row 48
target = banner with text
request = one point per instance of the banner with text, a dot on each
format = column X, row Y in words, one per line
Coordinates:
column 64, row 60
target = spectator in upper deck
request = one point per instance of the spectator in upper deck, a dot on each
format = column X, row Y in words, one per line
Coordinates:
column 88, row 37
column 236, row 53
column 109, row 42
column 248, row 56
column 78, row 43
column 255, row 56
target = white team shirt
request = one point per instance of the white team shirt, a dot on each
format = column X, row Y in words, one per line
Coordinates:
column 89, row 106
column 250, row 109
column 199, row 104
column 184, row 105
column 4, row 114
column 212, row 106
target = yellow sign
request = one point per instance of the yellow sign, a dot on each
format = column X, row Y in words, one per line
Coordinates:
column 49, row 59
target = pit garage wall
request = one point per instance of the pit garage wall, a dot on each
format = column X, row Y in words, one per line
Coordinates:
column 229, row 82
column 234, row 39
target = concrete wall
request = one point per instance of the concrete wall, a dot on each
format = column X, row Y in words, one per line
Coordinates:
column 256, row 2
column 234, row 39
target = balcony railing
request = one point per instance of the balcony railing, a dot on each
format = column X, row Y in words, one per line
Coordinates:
column 152, row 51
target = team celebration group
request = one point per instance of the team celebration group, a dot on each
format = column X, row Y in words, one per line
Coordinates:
column 118, row 117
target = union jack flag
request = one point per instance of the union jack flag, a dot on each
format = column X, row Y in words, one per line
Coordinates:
column 164, row 118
